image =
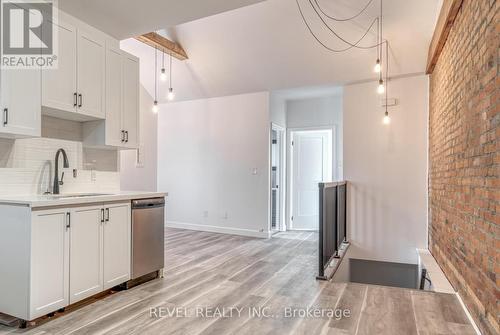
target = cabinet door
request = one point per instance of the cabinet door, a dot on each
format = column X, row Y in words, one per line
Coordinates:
column 59, row 85
column 90, row 74
column 131, row 100
column 21, row 102
column 85, row 252
column 49, row 262
column 117, row 230
column 113, row 97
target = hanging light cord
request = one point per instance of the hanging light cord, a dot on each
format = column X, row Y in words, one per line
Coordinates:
column 163, row 59
column 170, row 70
column 386, row 73
column 351, row 45
column 345, row 19
column 326, row 46
column 156, row 70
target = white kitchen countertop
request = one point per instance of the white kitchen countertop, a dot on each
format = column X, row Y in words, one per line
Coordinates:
column 37, row 200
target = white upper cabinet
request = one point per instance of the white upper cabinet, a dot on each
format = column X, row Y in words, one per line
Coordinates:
column 77, row 85
column 130, row 115
column 90, row 74
column 59, row 85
column 121, row 128
column 20, row 103
column 20, row 99
column 114, row 129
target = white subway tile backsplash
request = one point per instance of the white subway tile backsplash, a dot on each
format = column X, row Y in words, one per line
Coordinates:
column 27, row 167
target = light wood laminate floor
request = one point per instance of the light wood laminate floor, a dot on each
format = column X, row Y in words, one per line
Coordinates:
column 206, row 272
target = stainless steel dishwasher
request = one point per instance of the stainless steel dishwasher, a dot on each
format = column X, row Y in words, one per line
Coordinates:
column 148, row 230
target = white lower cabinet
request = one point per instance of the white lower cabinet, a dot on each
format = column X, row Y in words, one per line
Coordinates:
column 76, row 253
column 116, row 243
column 85, row 253
column 49, row 262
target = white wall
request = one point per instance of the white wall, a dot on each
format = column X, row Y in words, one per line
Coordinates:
column 319, row 112
column 142, row 177
column 387, row 170
column 278, row 110
column 207, row 151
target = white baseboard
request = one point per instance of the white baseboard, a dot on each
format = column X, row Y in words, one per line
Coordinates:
column 217, row 229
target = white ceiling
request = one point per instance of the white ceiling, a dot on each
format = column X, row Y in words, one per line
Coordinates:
column 128, row 18
column 266, row 46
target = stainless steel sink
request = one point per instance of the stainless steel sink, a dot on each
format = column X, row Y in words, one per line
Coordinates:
column 76, row 195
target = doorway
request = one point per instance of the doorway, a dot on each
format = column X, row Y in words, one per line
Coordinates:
column 277, row 178
column 311, row 162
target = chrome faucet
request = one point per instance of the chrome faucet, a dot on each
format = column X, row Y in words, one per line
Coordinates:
column 58, row 182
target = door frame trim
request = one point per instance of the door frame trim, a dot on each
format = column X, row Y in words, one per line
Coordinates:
column 283, row 178
column 289, row 162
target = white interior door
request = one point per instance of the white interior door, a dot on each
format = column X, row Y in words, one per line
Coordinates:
column 311, row 164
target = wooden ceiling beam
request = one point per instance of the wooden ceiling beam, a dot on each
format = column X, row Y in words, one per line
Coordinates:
column 447, row 17
column 155, row 40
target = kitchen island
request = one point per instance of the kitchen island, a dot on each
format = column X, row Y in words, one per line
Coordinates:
column 56, row 250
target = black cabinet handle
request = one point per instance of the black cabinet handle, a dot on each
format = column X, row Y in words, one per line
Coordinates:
column 123, row 136
column 107, row 214
column 102, row 215
column 68, row 220
column 5, row 116
column 75, row 99
column 126, row 136
column 80, row 97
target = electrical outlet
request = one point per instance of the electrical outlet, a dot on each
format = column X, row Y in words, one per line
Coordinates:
column 225, row 216
column 205, row 214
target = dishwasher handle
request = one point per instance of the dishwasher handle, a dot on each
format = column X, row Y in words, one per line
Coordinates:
column 148, row 203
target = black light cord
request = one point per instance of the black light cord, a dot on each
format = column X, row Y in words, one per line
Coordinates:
column 386, row 76
column 353, row 45
column 170, row 70
column 163, row 59
column 332, row 49
column 346, row 19
column 156, row 74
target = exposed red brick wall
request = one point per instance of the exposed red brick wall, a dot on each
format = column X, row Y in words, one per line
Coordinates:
column 464, row 160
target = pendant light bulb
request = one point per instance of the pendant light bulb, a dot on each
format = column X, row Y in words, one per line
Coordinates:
column 377, row 67
column 387, row 118
column 163, row 75
column 155, row 107
column 171, row 94
column 381, row 87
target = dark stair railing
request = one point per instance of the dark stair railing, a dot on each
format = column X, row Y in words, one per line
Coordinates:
column 332, row 223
